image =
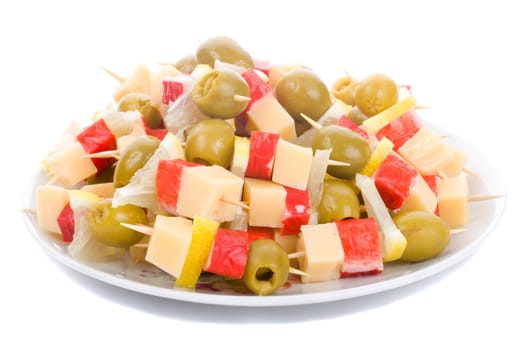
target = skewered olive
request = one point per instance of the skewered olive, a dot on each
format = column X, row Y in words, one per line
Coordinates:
column 375, row 93
column 142, row 103
column 302, row 91
column 186, row 64
column 134, row 156
column 266, row 268
column 426, row 234
column 219, row 94
column 210, row 142
column 223, row 49
column 104, row 223
column 347, row 146
column 344, row 89
column 338, row 201
column 103, row 176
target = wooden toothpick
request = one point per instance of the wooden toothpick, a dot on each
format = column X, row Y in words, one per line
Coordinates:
column 119, row 78
column 145, row 229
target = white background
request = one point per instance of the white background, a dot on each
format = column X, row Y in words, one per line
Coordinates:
column 469, row 60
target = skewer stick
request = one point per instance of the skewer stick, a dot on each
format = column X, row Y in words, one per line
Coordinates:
column 53, row 180
column 235, row 202
column 120, row 79
column 295, row 271
column 457, row 230
column 485, row 197
column 296, row 255
column 141, row 245
column 422, row 107
column 337, row 163
column 104, row 154
column 240, row 98
column 311, row 121
column 470, row 172
column 145, row 229
column 31, row 211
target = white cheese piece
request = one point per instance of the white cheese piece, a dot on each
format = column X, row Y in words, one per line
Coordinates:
column 453, row 205
column 203, row 190
column 323, row 252
column 50, row 202
column 421, row 197
column 169, row 244
column 70, row 165
column 268, row 115
column 427, row 151
column 292, row 165
column 266, row 200
column 104, row 190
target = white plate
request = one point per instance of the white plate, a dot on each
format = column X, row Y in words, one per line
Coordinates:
column 484, row 216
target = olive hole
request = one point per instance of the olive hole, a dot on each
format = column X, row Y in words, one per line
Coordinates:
column 264, row 274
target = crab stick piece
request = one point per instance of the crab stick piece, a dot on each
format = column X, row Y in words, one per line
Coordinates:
column 453, row 206
column 362, row 248
column 401, row 130
column 262, row 150
column 98, row 138
column 229, row 253
column 203, row 233
column 168, row 183
column 158, row 93
column 297, row 211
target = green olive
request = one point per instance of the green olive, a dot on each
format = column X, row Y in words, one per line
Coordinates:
column 375, row 93
column 133, row 157
column 356, row 115
column 104, row 223
column 187, row 64
column 426, row 234
column 302, row 91
column 221, row 94
column 347, row 146
column 103, row 176
column 223, row 49
column 210, row 142
column 142, row 103
column 344, row 89
column 338, row 201
column 266, row 268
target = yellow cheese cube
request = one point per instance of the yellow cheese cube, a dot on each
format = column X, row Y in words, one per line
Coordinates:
column 427, row 152
column 169, row 243
column 70, row 165
column 50, row 202
column 323, row 250
column 138, row 80
column 203, row 189
column 421, row 197
column 287, row 242
column 453, row 205
column 268, row 115
column 266, row 200
column 292, row 165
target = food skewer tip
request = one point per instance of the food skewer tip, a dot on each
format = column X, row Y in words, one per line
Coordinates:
column 295, row 271
column 311, row 121
column 120, row 79
column 147, row 230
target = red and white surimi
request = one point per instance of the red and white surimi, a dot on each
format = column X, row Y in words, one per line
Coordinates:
column 229, row 253
column 394, row 179
column 261, row 155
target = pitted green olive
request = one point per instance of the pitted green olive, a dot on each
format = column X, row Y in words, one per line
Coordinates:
column 347, row 146
column 338, row 201
column 141, row 103
column 426, row 234
column 221, row 94
column 133, row 157
column 186, row 64
column 104, row 223
column 223, row 49
column 266, row 268
column 302, row 91
column 375, row 93
column 209, row 142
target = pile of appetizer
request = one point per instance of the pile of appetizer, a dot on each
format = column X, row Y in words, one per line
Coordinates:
column 229, row 165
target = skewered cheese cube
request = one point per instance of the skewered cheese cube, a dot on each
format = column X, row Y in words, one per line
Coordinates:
column 421, row 197
column 455, row 167
column 70, row 165
column 266, row 200
column 323, row 250
column 50, row 202
column 287, row 242
column 138, row 80
column 203, row 189
column 289, row 156
column 427, row 152
column 169, row 243
column 267, row 115
column 453, row 203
